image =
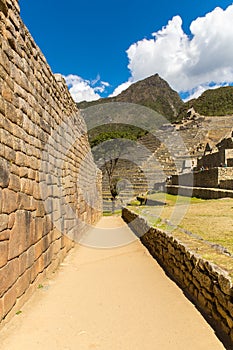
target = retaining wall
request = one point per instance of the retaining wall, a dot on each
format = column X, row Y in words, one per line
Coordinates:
column 211, row 178
column 199, row 192
column 207, row 285
column 50, row 188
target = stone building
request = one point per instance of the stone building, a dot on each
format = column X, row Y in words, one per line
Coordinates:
column 221, row 156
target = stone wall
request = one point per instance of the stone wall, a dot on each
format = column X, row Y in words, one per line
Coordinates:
column 223, row 156
column 50, row 188
column 206, row 284
column 199, row 192
column 211, row 178
column 212, row 160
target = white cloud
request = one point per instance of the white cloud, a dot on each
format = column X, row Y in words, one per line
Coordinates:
column 198, row 91
column 188, row 63
column 85, row 90
column 121, row 88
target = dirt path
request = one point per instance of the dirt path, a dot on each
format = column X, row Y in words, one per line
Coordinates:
column 109, row 299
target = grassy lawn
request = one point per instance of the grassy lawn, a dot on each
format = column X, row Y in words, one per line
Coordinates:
column 200, row 223
column 110, row 213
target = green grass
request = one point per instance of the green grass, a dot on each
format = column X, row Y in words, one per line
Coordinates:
column 110, row 213
column 208, row 222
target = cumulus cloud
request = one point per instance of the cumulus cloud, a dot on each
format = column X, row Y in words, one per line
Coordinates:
column 85, row 90
column 121, row 88
column 198, row 91
column 188, row 63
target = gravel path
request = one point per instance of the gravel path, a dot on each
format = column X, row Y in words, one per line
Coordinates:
column 109, row 299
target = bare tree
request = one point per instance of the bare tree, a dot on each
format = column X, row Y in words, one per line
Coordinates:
column 107, row 155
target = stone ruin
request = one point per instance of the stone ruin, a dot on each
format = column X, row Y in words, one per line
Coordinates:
column 50, row 187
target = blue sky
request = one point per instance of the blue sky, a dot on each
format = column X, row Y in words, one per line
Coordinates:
column 101, row 47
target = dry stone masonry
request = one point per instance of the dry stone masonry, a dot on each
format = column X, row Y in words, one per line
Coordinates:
column 209, row 286
column 50, row 188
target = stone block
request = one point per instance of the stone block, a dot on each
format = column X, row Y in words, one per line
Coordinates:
column 25, row 202
column 7, row 94
column 22, row 263
column 11, row 221
column 4, row 173
column 38, row 249
column 40, row 210
column 221, row 310
column 9, row 299
column 14, row 19
column 14, row 183
column 39, row 228
column 9, row 201
column 201, row 299
column 3, row 7
column 230, row 308
column 56, row 246
column 229, row 320
column 231, row 335
column 5, row 235
column 1, row 309
column 4, row 219
column 220, row 296
column 207, row 295
column 30, row 256
column 3, row 253
column 23, row 283
column 8, row 275
column 20, row 234
column 225, row 284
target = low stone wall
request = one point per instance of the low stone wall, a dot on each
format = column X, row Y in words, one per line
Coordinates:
column 199, row 192
column 50, row 188
column 212, row 160
column 226, row 184
column 211, row 178
column 206, row 284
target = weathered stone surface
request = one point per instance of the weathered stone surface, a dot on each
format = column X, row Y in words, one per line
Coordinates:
column 231, row 335
column 33, row 107
column 209, row 285
column 30, row 256
column 3, row 7
column 20, row 234
column 230, row 308
column 25, row 202
column 14, row 183
column 4, row 235
column 4, row 173
column 11, row 220
column 9, row 299
column 9, row 201
column 4, row 219
column 1, row 309
column 3, row 253
column 23, row 283
column 225, row 284
column 8, row 275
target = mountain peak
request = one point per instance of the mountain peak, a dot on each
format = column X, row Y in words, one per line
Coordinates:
column 153, row 92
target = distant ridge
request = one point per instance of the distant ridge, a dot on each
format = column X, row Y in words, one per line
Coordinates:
column 213, row 102
column 152, row 92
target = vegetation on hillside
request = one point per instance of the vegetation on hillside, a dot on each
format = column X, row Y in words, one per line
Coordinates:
column 103, row 133
column 215, row 102
column 152, row 92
